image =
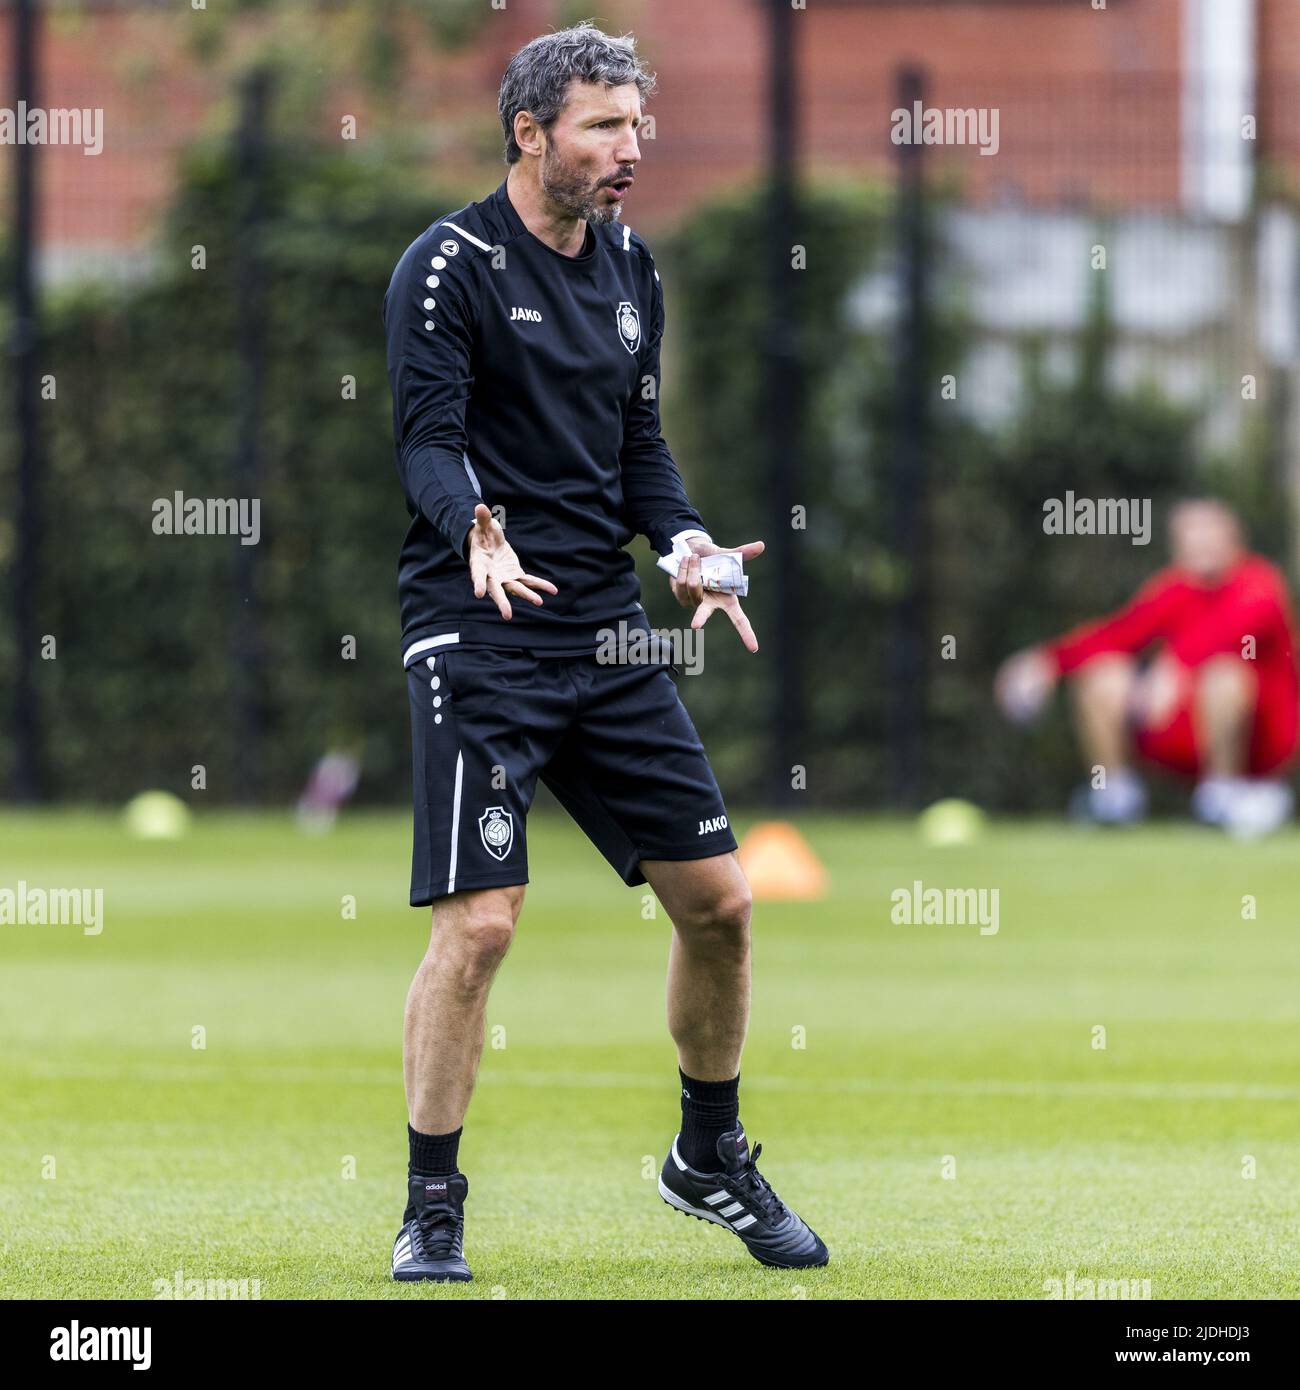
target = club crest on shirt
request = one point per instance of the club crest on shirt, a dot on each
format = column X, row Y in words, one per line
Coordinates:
column 629, row 326
column 496, row 828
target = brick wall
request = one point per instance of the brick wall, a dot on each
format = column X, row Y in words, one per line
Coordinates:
column 1088, row 101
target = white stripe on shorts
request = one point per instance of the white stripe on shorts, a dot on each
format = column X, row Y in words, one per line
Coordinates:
column 455, row 822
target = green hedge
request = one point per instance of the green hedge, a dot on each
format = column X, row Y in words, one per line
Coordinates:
column 996, row 580
column 149, row 385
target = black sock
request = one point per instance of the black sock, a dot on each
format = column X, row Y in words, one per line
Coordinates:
column 432, row 1156
column 709, row 1110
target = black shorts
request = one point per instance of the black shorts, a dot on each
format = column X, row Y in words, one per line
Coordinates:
column 613, row 742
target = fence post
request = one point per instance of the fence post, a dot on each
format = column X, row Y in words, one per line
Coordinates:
column 783, row 396
column 905, row 720
column 251, row 317
column 28, row 769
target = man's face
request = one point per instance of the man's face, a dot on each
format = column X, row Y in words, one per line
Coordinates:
column 1205, row 539
column 591, row 151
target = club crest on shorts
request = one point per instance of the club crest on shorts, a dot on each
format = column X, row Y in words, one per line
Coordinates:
column 496, row 828
column 629, row 325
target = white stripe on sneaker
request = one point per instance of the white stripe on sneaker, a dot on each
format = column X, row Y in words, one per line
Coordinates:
column 743, row 1222
column 682, row 1204
column 732, row 1209
column 715, row 1197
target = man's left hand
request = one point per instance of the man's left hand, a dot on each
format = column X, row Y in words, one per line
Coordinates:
column 688, row 587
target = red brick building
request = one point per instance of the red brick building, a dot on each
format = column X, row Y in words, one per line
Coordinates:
column 1138, row 102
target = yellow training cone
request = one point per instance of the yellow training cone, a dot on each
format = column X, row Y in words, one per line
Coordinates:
column 778, row 863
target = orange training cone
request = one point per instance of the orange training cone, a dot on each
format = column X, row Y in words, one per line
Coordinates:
column 779, row 865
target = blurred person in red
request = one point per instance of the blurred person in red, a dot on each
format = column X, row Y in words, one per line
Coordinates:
column 1218, row 700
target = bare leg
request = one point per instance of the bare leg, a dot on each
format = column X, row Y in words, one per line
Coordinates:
column 1102, row 689
column 447, row 1002
column 708, row 961
column 708, row 1013
column 1226, row 691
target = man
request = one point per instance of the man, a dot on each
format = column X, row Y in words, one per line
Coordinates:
column 523, row 352
column 1219, row 700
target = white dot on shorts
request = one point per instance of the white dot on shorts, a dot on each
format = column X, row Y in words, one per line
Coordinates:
column 437, row 719
column 433, row 282
column 434, row 683
column 430, row 662
column 437, row 700
column 430, row 325
column 430, row 303
column 439, row 263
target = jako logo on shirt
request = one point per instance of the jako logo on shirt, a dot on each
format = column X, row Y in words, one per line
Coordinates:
column 527, row 315
column 707, row 827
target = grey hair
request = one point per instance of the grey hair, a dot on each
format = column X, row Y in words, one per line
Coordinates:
column 538, row 76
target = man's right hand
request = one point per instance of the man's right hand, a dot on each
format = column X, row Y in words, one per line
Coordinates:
column 495, row 569
column 1024, row 683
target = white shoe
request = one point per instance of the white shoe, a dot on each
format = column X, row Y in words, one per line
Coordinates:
column 1246, row 807
column 1211, row 797
column 1121, row 801
column 1258, row 807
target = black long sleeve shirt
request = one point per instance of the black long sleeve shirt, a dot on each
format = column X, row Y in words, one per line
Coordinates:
column 528, row 380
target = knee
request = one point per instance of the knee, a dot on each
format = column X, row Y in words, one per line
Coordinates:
column 721, row 921
column 1105, row 681
column 484, row 943
column 475, row 940
column 1226, row 681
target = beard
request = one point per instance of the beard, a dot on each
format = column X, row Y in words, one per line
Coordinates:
column 568, row 189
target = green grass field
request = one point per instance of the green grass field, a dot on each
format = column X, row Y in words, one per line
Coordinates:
column 921, row 1043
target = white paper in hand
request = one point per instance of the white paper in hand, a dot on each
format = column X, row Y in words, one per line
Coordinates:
column 721, row 574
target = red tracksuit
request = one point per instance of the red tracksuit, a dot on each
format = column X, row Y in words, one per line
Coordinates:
column 1195, row 623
